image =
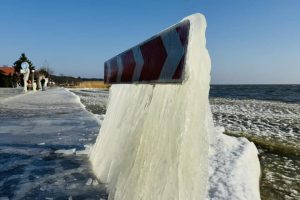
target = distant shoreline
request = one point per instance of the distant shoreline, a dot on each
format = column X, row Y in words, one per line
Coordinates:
column 250, row 84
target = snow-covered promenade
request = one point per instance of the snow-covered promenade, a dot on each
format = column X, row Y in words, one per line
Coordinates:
column 53, row 117
column 35, row 128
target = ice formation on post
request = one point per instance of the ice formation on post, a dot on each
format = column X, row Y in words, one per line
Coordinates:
column 154, row 141
column 25, row 71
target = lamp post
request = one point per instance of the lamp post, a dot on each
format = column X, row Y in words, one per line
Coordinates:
column 32, row 81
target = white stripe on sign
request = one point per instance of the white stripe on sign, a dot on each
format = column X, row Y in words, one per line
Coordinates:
column 139, row 62
column 120, row 68
column 108, row 71
column 174, row 50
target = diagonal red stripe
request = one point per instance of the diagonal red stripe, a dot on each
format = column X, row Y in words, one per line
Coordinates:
column 114, row 70
column 179, row 69
column 183, row 31
column 105, row 72
column 154, row 55
column 128, row 66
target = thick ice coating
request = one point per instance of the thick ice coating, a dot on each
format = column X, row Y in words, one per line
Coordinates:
column 154, row 141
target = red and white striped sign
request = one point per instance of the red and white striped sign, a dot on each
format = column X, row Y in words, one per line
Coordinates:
column 160, row 59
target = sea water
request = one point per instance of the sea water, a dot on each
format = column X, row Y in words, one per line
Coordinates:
column 259, row 113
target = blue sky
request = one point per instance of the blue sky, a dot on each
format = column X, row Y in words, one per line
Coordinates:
column 249, row 41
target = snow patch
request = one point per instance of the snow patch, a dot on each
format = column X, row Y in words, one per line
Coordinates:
column 234, row 168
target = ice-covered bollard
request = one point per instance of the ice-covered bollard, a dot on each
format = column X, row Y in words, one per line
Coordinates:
column 42, row 82
column 154, row 140
column 34, row 86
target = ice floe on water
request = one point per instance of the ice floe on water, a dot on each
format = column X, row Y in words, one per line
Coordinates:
column 276, row 120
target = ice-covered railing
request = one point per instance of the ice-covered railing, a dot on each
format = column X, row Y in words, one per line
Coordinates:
column 154, row 141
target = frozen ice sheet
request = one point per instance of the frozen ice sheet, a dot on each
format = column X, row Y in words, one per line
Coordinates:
column 33, row 127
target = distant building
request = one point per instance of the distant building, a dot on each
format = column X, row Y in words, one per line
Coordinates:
column 9, row 77
column 7, row 71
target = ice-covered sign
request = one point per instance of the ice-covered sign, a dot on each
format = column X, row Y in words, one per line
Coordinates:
column 160, row 59
column 25, row 71
column 154, row 140
column 25, row 65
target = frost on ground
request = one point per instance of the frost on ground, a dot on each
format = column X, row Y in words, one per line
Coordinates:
column 44, row 139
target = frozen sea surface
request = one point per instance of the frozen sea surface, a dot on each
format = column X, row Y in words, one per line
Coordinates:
column 42, row 136
column 274, row 127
